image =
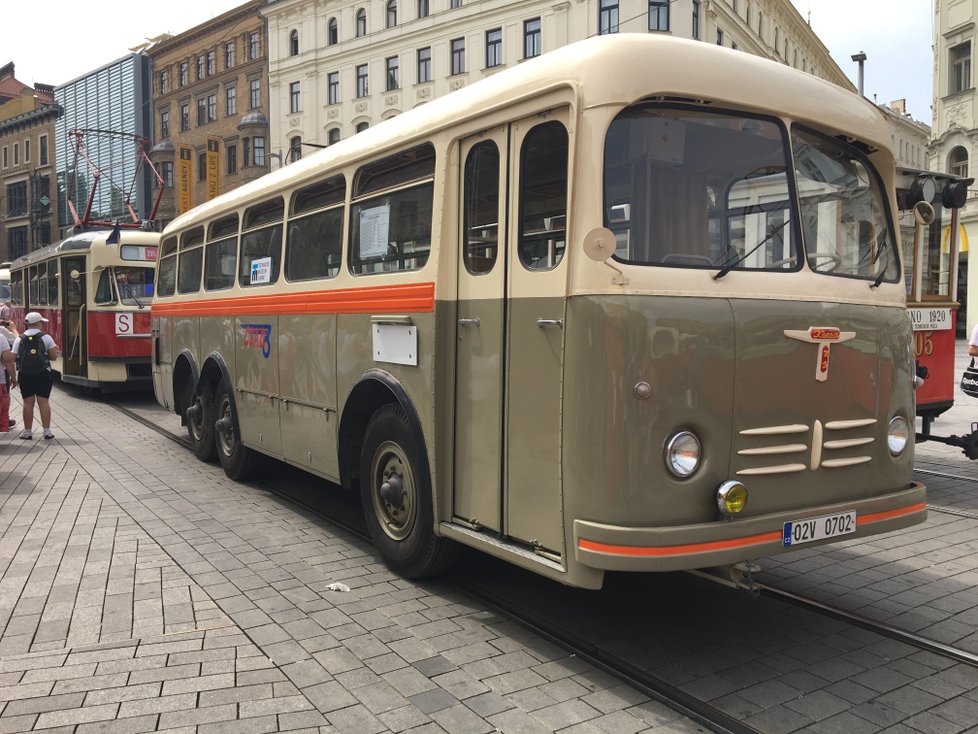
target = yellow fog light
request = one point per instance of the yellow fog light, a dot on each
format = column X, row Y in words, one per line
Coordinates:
column 731, row 497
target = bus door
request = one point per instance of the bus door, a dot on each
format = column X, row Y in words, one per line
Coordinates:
column 510, row 331
column 74, row 333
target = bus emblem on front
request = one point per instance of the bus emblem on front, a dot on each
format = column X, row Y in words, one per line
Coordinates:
column 823, row 336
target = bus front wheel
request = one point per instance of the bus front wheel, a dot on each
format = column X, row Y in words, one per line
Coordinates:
column 396, row 497
column 200, row 422
column 238, row 461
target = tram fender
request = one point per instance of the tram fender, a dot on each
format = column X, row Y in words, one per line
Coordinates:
column 184, row 363
column 215, row 370
column 375, row 388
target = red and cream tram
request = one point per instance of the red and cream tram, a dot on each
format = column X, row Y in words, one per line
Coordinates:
column 929, row 204
column 94, row 288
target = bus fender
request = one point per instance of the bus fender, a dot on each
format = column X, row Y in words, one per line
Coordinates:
column 215, row 370
column 375, row 388
column 185, row 357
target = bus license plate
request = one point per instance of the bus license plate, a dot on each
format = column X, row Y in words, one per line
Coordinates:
column 819, row 528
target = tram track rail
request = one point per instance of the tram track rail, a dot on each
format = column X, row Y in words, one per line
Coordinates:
column 655, row 687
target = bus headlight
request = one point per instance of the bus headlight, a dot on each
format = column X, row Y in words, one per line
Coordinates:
column 683, row 454
column 898, row 435
column 731, row 498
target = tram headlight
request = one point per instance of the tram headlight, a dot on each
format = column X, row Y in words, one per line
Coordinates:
column 898, row 435
column 683, row 454
column 731, row 498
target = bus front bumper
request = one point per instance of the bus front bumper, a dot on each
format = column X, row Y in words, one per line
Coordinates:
column 683, row 547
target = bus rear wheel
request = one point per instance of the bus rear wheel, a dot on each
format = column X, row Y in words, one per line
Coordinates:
column 238, row 461
column 396, row 496
column 200, row 422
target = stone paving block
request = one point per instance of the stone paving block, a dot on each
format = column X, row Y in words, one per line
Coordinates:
column 40, row 705
column 255, row 725
column 164, row 704
column 17, row 724
column 69, row 717
column 135, row 725
column 329, row 696
column 197, row 716
column 280, row 705
column 356, row 720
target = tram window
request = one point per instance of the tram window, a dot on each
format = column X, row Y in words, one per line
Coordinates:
column 319, row 195
column 480, row 232
column 134, row 284
column 697, row 189
column 261, row 253
column 844, row 218
column 188, row 270
column 53, row 283
column 33, row 297
column 314, row 244
column 167, row 277
column 392, row 232
column 168, row 247
column 543, row 196
column 396, row 170
column 103, row 291
column 17, row 288
column 223, row 227
column 220, row 264
column 192, row 238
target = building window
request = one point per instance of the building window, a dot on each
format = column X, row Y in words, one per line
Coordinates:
column 211, row 63
column 17, row 242
column 696, row 19
column 42, row 144
column 362, row 126
column 254, row 46
column 332, row 32
column 423, row 8
column 294, row 100
column 960, row 67
column 294, row 43
column 455, row 4
column 254, row 93
column 760, row 21
column 184, row 117
column 494, row 47
column 164, row 124
column 361, row 22
column 245, row 152
column 658, row 15
column 333, row 136
column 211, row 107
column 183, row 73
column 531, row 38
column 392, row 81
column 229, row 55
column 231, row 100
column 166, row 173
column 333, row 87
column 957, row 162
column 202, row 166
column 201, row 110
column 258, row 150
column 362, row 87
column 719, row 36
column 231, row 153
column 458, row 56
column 777, row 38
column 201, row 66
column 17, row 199
column 391, row 13
column 608, row 16
column 164, row 81
column 16, row 154
column 295, row 148
column 5, row 156
column 27, row 150
column 424, row 65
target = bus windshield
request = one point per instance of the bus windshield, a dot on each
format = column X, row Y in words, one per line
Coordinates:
column 709, row 189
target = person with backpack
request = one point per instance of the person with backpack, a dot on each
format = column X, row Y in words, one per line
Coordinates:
column 34, row 351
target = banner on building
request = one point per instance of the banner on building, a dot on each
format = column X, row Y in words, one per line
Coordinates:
column 213, row 167
column 185, row 191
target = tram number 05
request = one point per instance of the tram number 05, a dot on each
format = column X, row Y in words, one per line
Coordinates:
column 923, row 344
column 818, row 528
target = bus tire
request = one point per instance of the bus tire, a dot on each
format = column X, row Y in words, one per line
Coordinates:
column 199, row 415
column 396, row 496
column 238, row 461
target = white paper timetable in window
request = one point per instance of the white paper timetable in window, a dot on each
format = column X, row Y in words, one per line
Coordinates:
column 374, row 231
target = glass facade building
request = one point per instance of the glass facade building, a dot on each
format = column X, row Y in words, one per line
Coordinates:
column 115, row 102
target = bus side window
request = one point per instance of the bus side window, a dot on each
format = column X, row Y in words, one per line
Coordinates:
column 103, row 293
column 314, row 239
column 543, row 196
column 261, row 243
column 480, row 233
column 221, row 253
column 167, row 279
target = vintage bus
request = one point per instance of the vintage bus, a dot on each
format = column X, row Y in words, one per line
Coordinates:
column 931, row 230
column 636, row 304
column 95, row 289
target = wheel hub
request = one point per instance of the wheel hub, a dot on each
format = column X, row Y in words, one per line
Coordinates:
column 392, row 491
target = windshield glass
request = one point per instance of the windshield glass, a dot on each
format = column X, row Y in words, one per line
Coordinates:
column 842, row 212
column 698, row 189
column 134, row 285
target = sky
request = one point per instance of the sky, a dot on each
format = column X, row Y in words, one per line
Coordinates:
column 896, row 36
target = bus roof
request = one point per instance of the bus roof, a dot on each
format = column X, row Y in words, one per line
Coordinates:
column 82, row 242
column 602, row 70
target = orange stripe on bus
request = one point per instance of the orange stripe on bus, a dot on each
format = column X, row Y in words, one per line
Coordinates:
column 414, row 298
column 676, row 550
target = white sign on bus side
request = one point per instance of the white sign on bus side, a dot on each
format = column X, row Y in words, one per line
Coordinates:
column 930, row 319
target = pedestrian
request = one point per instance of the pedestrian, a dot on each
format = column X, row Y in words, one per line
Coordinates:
column 973, row 342
column 6, row 312
column 34, row 351
column 8, row 381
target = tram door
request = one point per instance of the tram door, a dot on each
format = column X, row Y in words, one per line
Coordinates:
column 509, row 333
column 73, row 332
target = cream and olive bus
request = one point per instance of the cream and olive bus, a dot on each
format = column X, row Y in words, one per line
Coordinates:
column 632, row 305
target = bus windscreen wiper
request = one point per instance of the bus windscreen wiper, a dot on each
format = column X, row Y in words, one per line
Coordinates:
column 132, row 294
column 727, row 268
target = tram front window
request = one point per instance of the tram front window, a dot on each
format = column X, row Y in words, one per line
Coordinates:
column 133, row 284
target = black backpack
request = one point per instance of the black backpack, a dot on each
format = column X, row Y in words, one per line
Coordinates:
column 32, row 355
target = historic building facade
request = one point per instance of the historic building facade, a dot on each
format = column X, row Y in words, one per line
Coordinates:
column 955, row 127
column 337, row 67
column 210, row 94
column 28, row 204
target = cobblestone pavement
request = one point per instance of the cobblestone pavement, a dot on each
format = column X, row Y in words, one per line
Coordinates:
column 140, row 590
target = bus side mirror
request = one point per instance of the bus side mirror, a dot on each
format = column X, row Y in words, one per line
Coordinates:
column 954, row 195
column 923, row 212
column 599, row 244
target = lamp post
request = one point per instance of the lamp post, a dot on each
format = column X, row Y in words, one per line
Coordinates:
column 860, row 59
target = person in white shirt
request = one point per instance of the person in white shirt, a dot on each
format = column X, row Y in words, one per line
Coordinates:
column 973, row 342
column 8, row 381
column 34, row 374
